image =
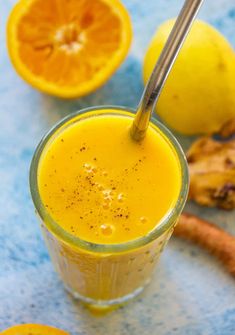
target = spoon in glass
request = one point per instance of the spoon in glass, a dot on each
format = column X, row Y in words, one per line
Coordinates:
column 163, row 67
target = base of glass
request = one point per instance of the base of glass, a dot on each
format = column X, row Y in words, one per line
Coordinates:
column 103, row 304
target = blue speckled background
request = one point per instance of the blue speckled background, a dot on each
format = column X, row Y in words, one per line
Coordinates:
column 191, row 293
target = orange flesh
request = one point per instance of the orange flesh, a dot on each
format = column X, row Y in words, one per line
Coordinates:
column 68, row 41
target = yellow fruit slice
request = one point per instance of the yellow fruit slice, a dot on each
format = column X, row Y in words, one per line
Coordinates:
column 68, row 48
column 33, row 329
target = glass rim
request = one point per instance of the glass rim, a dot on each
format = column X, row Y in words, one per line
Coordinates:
column 161, row 227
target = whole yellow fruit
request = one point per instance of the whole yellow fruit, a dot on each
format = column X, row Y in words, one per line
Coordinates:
column 199, row 94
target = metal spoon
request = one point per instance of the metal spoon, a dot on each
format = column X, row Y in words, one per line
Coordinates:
column 163, row 67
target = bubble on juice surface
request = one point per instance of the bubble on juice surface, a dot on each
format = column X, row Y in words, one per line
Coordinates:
column 107, row 195
column 120, row 197
column 143, row 219
column 100, row 186
column 86, row 166
column 106, row 205
column 91, row 169
column 94, row 169
column 107, row 229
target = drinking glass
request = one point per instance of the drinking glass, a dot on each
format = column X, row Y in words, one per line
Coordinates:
column 105, row 274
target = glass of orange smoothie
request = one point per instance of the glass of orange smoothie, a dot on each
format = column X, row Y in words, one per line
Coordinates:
column 108, row 204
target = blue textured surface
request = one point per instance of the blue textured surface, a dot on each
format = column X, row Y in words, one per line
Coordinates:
column 191, row 294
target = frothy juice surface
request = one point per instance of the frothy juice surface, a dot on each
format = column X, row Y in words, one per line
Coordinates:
column 101, row 186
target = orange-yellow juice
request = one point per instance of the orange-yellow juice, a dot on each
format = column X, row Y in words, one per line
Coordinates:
column 102, row 187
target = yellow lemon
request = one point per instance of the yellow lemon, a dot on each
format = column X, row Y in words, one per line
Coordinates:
column 68, row 48
column 199, row 95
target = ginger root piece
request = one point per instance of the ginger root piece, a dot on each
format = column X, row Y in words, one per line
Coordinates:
column 212, row 169
column 209, row 236
column 228, row 129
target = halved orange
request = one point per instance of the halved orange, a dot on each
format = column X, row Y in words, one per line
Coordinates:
column 68, row 48
column 33, row 329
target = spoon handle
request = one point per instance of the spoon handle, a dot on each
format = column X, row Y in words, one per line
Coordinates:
column 163, row 67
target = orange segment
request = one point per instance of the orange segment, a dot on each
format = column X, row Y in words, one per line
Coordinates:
column 33, row 329
column 68, row 48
